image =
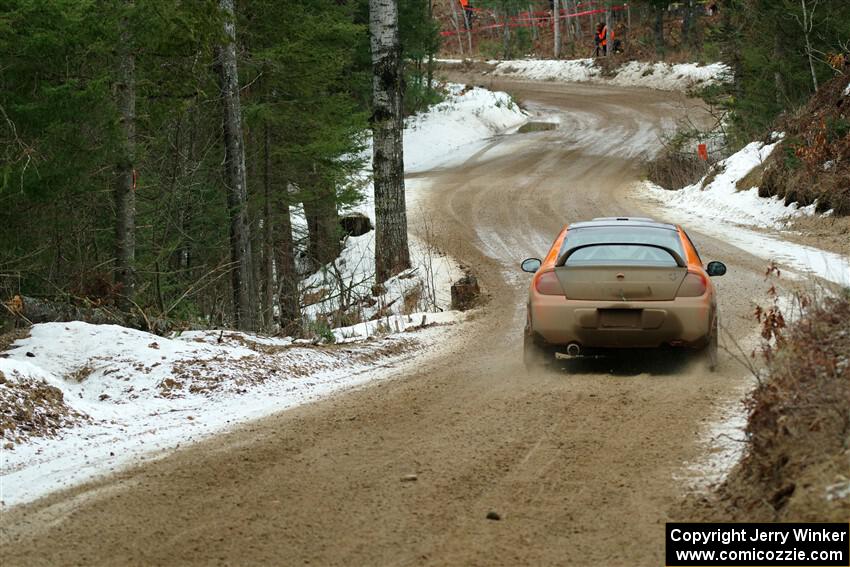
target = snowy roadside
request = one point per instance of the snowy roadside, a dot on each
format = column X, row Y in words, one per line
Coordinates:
column 719, row 207
column 652, row 75
column 723, row 442
column 127, row 395
column 447, row 133
column 98, row 398
column 468, row 116
column 722, row 205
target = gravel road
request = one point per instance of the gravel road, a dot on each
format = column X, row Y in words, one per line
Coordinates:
column 579, row 464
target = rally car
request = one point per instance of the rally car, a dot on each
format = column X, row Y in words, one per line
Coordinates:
column 620, row 283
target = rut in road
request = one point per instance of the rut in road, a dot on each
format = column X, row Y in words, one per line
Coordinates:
column 579, row 463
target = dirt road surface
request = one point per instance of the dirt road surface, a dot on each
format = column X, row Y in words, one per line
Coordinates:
column 580, row 464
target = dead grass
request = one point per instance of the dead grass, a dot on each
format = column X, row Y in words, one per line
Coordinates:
column 80, row 374
column 752, row 179
column 797, row 459
column 713, row 172
column 529, row 127
column 10, row 337
column 813, row 162
column 673, row 169
column 829, row 233
column 30, row 408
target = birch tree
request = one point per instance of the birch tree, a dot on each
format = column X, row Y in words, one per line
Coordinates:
column 125, row 197
column 235, row 177
column 456, row 25
column 556, row 22
column 807, row 25
column 391, row 251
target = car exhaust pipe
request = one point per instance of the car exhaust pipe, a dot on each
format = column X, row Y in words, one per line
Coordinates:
column 573, row 349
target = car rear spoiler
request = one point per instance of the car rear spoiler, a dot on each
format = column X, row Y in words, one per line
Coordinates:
column 676, row 256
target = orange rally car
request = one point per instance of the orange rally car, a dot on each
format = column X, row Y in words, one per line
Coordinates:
column 620, row 283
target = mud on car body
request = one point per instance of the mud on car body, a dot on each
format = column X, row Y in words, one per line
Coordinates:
column 620, row 283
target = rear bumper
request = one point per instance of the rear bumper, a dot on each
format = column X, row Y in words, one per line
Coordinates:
column 684, row 321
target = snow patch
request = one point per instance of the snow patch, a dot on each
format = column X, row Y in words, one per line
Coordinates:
column 721, row 210
column 449, row 131
column 348, row 282
column 140, row 395
column 466, row 116
column 661, row 76
column 724, row 444
column 721, row 200
column 143, row 394
column 572, row 70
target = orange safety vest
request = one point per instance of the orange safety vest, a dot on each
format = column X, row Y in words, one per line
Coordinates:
column 464, row 3
column 603, row 36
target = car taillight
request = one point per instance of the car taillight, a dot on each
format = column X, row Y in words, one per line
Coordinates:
column 694, row 285
column 547, row 284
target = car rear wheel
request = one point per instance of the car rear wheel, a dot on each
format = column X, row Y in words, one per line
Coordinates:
column 711, row 350
column 534, row 356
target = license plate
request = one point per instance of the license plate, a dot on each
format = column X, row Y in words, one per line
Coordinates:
column 620, row 318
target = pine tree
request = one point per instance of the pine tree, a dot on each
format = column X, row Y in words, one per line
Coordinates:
column 313, row 129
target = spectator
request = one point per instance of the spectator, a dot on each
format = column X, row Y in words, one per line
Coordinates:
column 467, row 13
column 601, row 39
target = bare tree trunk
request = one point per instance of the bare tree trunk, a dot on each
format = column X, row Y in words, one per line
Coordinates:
column 577, row 20
column 430, row 49
column 659, row 29
column 807, row 30
column 609, row 30
column 322, row 223
column 687, row 21
column 391, row 251
column 778, row 80
column 468, row 21
column 125, row 195
column 288, row 297
column 506, row 36
column 533, row 23
column 235, row 178
column 556, row 26
column 456, row 25
column 269, row 283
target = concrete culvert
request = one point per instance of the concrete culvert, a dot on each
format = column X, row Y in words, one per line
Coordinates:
column 355, row 224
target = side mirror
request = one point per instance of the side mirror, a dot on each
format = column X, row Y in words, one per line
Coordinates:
column 716, row 268
column 530, row 265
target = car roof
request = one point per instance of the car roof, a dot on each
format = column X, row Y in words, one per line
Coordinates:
column 622, row 221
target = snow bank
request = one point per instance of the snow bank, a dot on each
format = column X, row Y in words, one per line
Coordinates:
column 466, row 116
column 721, row 200
column 449, row 131
column 723, row 442
column 718, row 208
column 662, row 76
column 573, row 70
column 349, row 281
column 108, row 396
column 134, row 393
column 667, row 77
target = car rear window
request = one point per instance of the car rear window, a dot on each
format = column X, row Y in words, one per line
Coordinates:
column 622, row 251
